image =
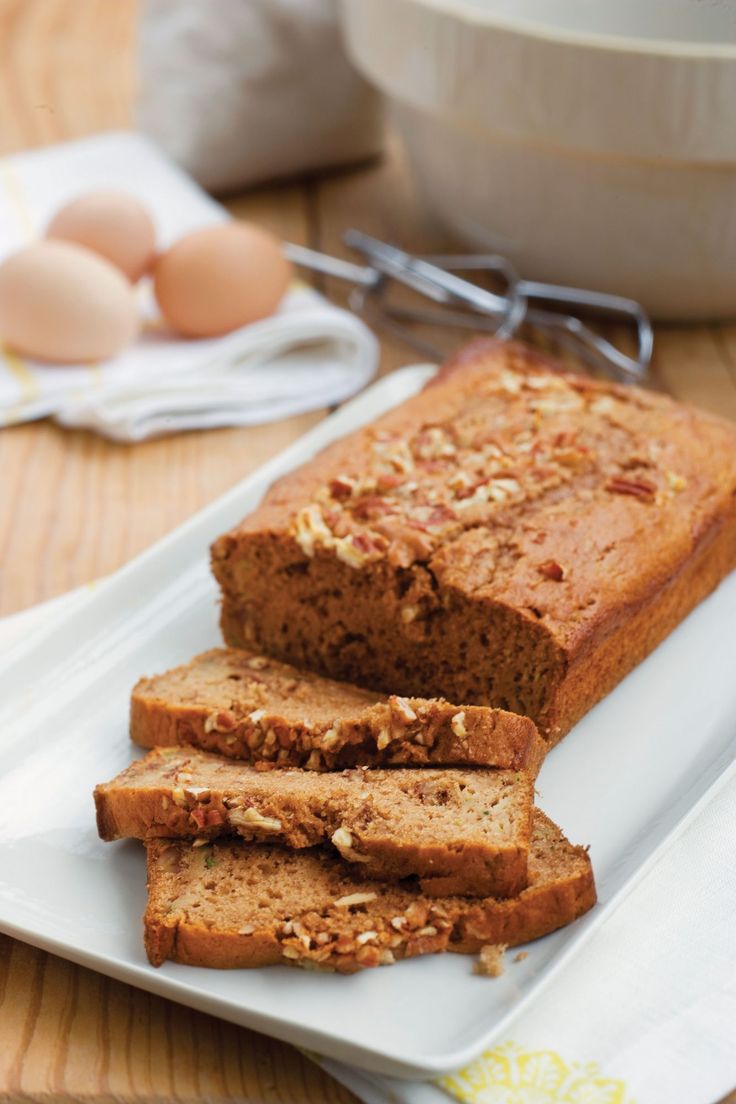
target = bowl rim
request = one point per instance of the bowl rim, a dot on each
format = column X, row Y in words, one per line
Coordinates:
column 614, row 43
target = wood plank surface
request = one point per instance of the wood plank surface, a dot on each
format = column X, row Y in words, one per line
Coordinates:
column 74, row 507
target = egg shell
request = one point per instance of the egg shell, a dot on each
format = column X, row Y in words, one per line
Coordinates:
column 59, row 302
column 219, row 278
column 114, row 225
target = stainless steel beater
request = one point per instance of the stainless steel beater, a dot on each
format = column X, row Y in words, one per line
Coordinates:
column 470, row 306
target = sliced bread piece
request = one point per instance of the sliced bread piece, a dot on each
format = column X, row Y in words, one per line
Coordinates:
column 230, row 905
column 460, row 831
column 249, row 707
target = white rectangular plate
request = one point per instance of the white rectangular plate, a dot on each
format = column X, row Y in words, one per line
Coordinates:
column 624, row 781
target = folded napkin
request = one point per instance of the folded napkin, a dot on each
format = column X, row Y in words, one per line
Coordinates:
column 646, row 1012
column 307, row 355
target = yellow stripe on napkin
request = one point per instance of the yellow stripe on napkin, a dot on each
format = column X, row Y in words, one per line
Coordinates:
column 27, row 386
column 17, row 200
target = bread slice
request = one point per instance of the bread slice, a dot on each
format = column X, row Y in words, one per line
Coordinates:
column 249, row 707
column 460, row 831
column 228, row 904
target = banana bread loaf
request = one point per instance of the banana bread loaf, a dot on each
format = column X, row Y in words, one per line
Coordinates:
column 461, row 832
column 514, row 535
column 233, row 905
column 247, row 706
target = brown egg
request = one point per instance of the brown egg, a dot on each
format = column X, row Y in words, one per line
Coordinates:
column 113, row 224
column 60, row 302
column 220, row 278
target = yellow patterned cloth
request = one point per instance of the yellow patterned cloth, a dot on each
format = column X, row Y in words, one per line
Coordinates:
column 508, row 1074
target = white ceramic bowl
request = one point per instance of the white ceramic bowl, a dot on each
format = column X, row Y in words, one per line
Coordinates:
column 593, row 143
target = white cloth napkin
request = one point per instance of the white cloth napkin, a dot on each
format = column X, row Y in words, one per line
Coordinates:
column 645, row 1014
column 309, row 354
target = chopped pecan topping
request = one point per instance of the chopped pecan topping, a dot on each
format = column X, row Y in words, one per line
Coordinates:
column 251, row 820
column 220, row 722
column 639, row 488
column 343, row 841
column 551, row 570
column 396, row 454
column 310, row 530
column 416, row 915
column 372, row 506
column 388, row 481
column 383, row 739
column 348, row 552
column 353, row 899
column 342, row 487
column 204, row 816
column 314, row 762
column 330, row 739
column 179, row 797
column 440, row 515
column 434, row 443
column 490, row 960
column 255, row 738
column 170, row 859
column 400, row 708
column 257, row 663
column 676, row 482
column 359, row 548
column 457, row 724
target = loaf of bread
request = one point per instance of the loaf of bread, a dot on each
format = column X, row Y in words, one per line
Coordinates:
column 247, row 706
column 229, row 904
column 460, row 832
column 514, row 536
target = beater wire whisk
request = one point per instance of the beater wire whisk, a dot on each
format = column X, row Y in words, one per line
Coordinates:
column 461, row 303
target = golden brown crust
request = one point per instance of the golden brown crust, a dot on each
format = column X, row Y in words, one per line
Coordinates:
column 515, row 535
column 304, row 720
column 202, row 910
column 460, row 832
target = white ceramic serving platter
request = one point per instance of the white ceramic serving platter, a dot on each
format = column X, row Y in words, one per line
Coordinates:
column 625, row 781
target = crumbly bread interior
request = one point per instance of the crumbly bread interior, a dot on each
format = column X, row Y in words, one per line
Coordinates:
column 460, row 831
column 228, row 904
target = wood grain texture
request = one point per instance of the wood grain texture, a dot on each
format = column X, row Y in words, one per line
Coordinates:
column 65, row 69
column 68, row 1034
column 74, row 507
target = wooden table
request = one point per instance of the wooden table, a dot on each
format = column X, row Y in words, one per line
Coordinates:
column 74, row 507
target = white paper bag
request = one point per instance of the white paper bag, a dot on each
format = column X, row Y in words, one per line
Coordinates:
column 239, row 91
